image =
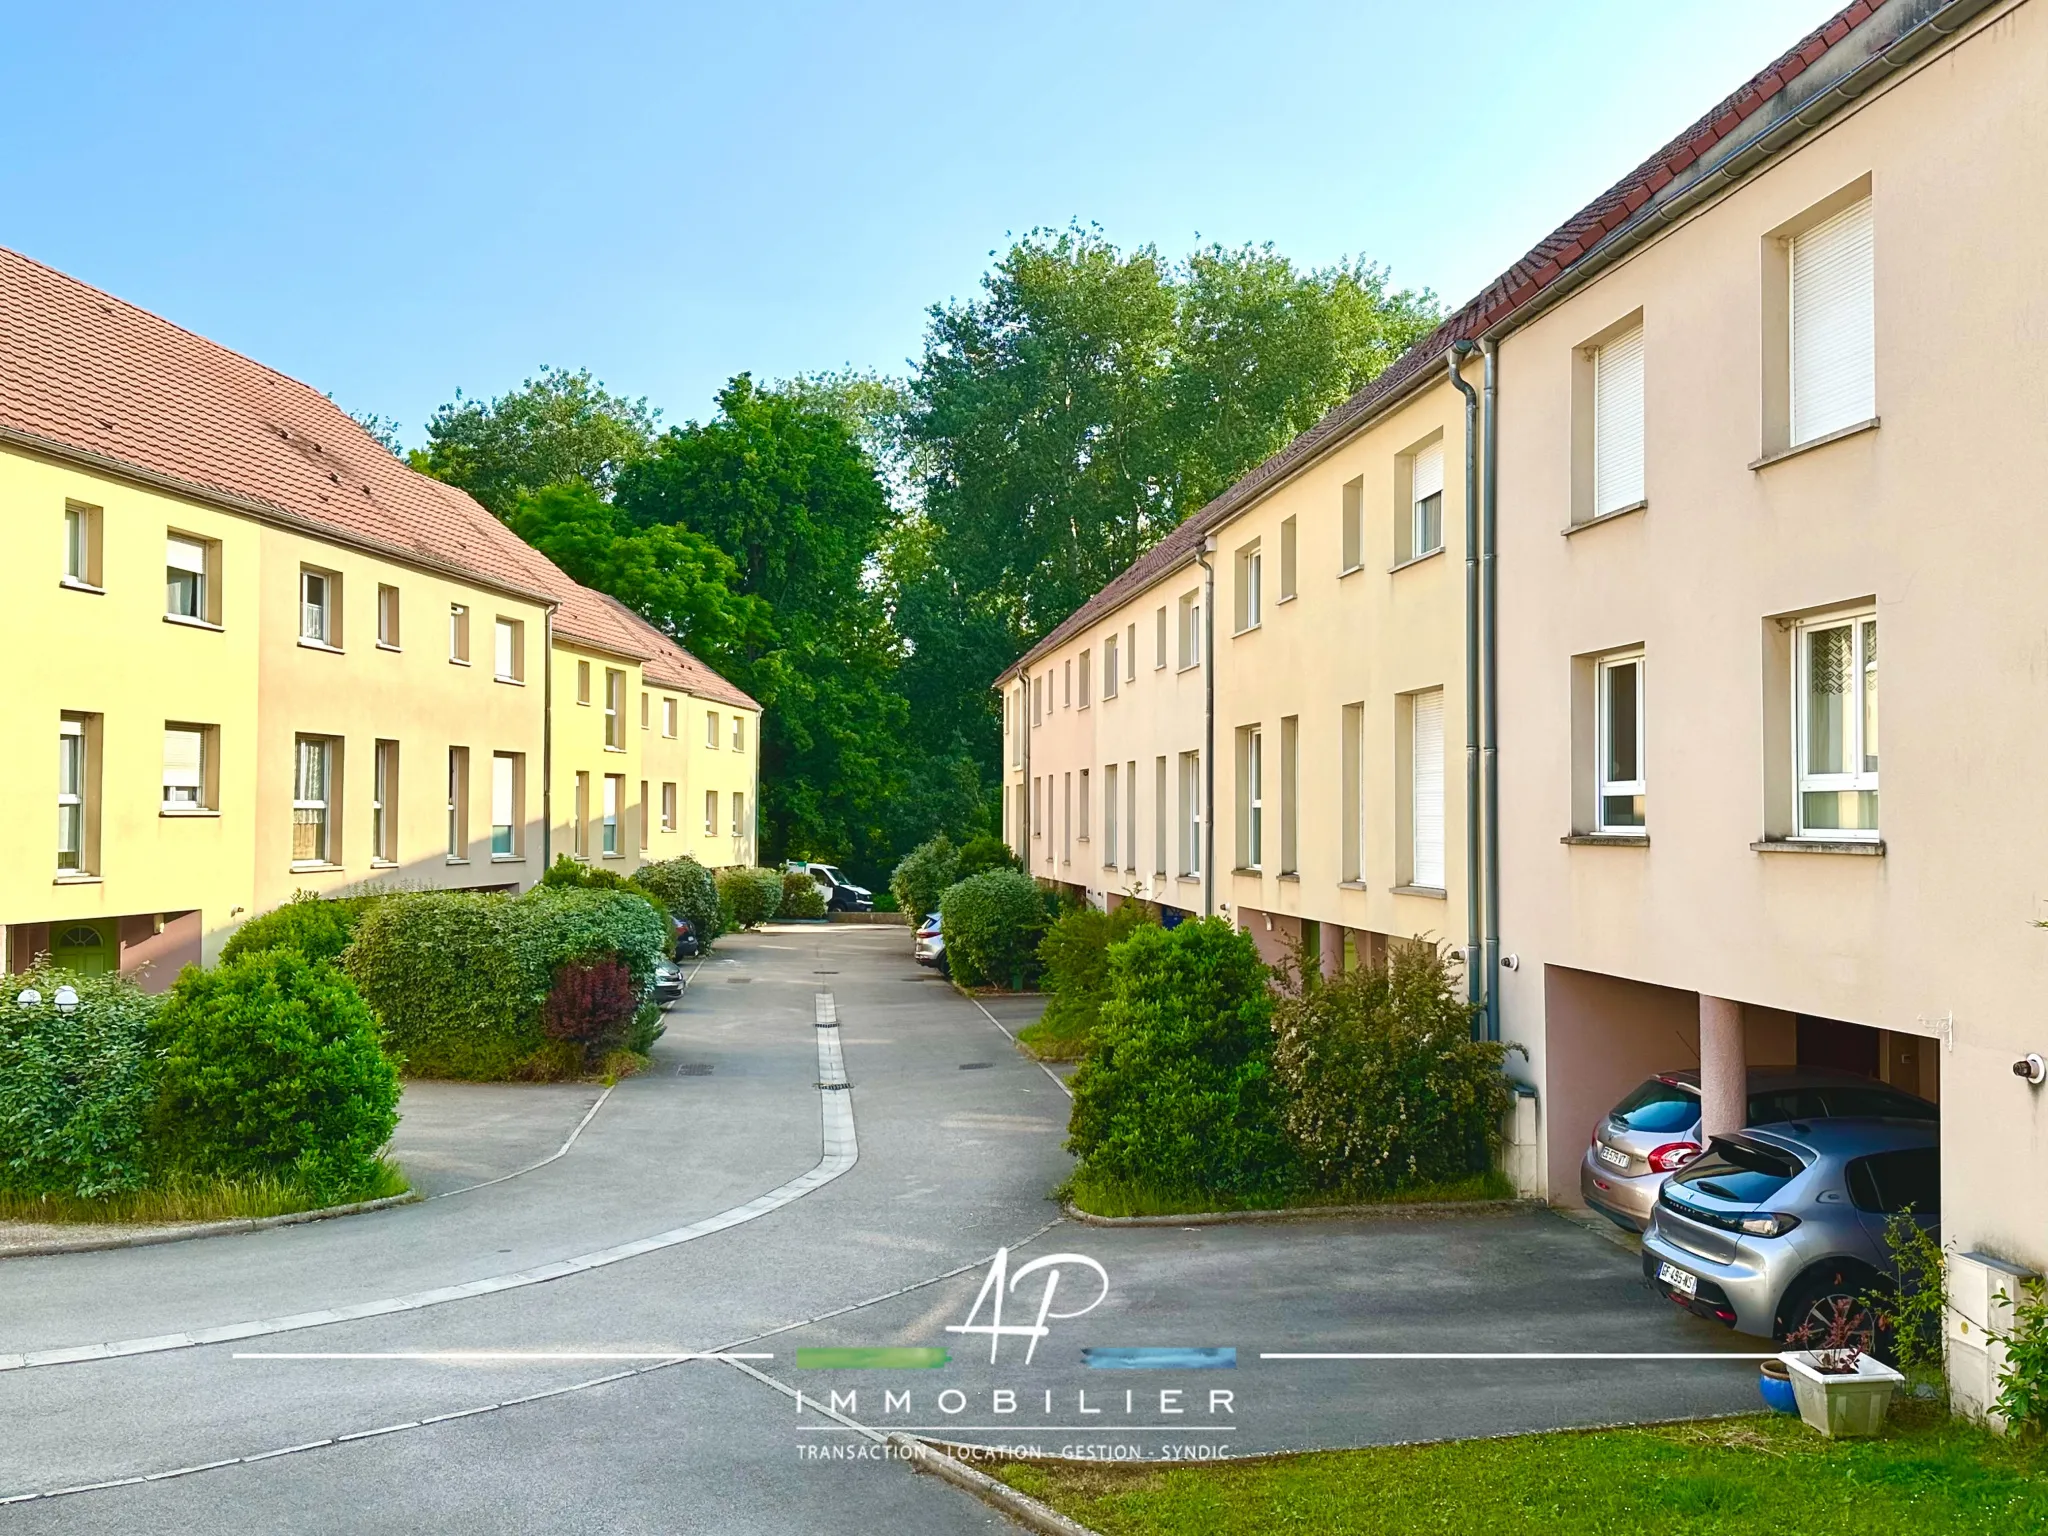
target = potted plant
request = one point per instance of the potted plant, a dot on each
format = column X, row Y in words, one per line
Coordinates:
column 1841, row 1390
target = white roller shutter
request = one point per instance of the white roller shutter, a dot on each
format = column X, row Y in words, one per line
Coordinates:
column 185, row 555
column 501, row 791
column 1428, row 473
column 1834, row 374
column 184, row 761
column 1618, row 423
column 1428, row 733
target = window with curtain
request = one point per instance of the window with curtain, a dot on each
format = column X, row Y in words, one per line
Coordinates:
column 185, row 594
column 310, row 802
column 1836, row 700
column 1620, row 794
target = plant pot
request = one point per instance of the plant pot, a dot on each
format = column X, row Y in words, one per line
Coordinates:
column 1842, row 1405
column 1774, row 1382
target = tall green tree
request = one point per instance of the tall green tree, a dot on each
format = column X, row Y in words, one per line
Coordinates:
column 553, row 429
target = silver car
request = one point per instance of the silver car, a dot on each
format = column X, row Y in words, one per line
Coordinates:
column 1655, row 1131
column 1770, row 1225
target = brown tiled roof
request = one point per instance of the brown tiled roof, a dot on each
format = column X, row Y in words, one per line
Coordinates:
column 1551, row 260
column 668, row 664
column 85, row 374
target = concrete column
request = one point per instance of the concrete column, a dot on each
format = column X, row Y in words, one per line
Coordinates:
column 1724, row 1067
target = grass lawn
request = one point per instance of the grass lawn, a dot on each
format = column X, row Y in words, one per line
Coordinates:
column 1055, row 1040
column 1764, row 1476
column 1109, row 1197
column 189, row 1199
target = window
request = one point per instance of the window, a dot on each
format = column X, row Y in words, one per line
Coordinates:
column 387, row 617
column 319, row 619
column 1352, row 789
column 711, row 729
column 1037, row 821
column 458, row 804
column 1066, row 818
column 1290, row 795
column 1426, row 789
column 1191, row 630
column 1131, row 652
column 187, row 785
column 668, row 717
column 77, row 812
column 384, row 803
column 710, row 813
column 81, row 545
column 615, row 709
column 1250, row 570
column 1354, row 523
column 739, row 814
column 1619, row 795
column 1067, row 690
column 1109, row 815
column 508, row 776
column 1131, row 817
column 1191, row 814
column 1832, row 325
column 1289, row 558
column 1085, row 797
column 1159, row 816
column 1159, row 640
column 458, row 633
column 1109, row 672
column 1087, row 671
column 509, row 651
column 614, row 792
column 739, row 733
column 1251, row 797
column 646, row 818
column 668, row 807
column 1835, row 694
column 579, row 834
column 188, row 593
column 1426, row 498
column 312, row 801
column 1037, row 699
column 582, row 682
column 1617, row 398
column 646, row 710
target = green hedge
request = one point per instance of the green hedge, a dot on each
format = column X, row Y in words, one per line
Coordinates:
column 749, row 897
column 991, row 924
column 271, row 1068
column 979, row 855
column 75, row 1088
column 310, row 924
column 460, row 980
column 689, row 890
column 923, row 876
column 801, row 896
column 1075, row 956
column 1178, row 1093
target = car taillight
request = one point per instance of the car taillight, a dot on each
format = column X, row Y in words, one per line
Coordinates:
column 1673, row 1155
column 1771, row 1224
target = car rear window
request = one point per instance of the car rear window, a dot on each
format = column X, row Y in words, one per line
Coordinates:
column 1657, row 1106
column 1878, row 1100
column 1742, row 1171
column 1774, row 1104
column 1891, row 1181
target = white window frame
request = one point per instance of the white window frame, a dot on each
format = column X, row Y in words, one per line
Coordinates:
column 614, row 792
column 1109, row 815
column 614, row 709
column 711, row 729
column 305, row 750
column 1859, row 780
column 458, row 633
column 387, row 617
column 739, row 733
column 710, row 813
column 185, row 565
column 182, row 797
column 1255, row 798
column 1191, row 803
column 1604, row 787
column 383, row 801
column 508, row 646
column 668, row 805
column 1426, row 523
column 739, row 813
column 316, row 616
column 668, row 718
column 74, row 768
column 504, row 798
column 1109, row 671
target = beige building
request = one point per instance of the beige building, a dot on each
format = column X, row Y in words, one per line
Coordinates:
column 253, row 653
column 1729, row 401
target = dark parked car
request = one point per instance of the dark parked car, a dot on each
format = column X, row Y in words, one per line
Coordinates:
column 685, row 938
column 1773, row 1225
column 1655, row 1131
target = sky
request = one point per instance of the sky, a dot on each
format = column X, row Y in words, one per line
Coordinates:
column 396, row 201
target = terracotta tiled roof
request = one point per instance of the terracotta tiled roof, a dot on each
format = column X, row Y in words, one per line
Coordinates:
column 1551, row 260
column 84, row 372
column 668, row 664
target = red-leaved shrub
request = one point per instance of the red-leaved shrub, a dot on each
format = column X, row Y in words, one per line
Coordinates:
column 591, row 1004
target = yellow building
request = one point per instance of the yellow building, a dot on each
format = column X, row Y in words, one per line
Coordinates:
column 274, row 658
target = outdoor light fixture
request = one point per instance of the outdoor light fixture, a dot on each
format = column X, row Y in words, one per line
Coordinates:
column 2032, row 1068
column 66, row 999
column 28, row 997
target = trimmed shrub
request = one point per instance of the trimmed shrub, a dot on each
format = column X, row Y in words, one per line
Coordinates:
column 461, row 980
column 1074, row 955
column 923, row 875
column 591, row 1005
column 309, row 924
column 1178, row 1094
column 991, row 924
column 271, row 1069
column 75, row 1088
column 688, row 890
column 569, row 873
column 984, row 853
column 1386, row 1088
column 801, row 896
column 749, row 897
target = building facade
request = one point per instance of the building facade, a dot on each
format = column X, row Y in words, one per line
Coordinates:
column 273, row 658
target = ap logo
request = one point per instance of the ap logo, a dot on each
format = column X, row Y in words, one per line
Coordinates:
column 1000, row 1279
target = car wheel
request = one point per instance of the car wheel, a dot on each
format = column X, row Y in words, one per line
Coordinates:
column 1813, row 1300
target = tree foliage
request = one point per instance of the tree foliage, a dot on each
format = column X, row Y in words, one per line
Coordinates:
column 554, row 429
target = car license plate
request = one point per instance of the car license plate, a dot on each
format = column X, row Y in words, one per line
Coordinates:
column 1610, row 1155
column 1678, row 1279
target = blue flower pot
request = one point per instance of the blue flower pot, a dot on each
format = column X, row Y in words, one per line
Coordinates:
column 1776, row 1389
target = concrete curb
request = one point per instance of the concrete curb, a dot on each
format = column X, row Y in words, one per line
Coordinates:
column 1419, row 1210
column 212, row 1228
column 1021, row 1507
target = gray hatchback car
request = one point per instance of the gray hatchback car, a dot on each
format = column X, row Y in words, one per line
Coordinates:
column 1655, row 1131
column 1769, row 1226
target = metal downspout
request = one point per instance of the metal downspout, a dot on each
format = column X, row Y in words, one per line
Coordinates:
column 1489, row 631
column 1459, row 352
column 1208, row 725
column 547, row 739
column 1024, row 724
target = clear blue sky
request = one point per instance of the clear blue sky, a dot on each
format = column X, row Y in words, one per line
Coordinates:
column 400, row 199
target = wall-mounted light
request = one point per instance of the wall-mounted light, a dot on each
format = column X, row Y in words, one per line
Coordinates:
column 2032, row 1068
